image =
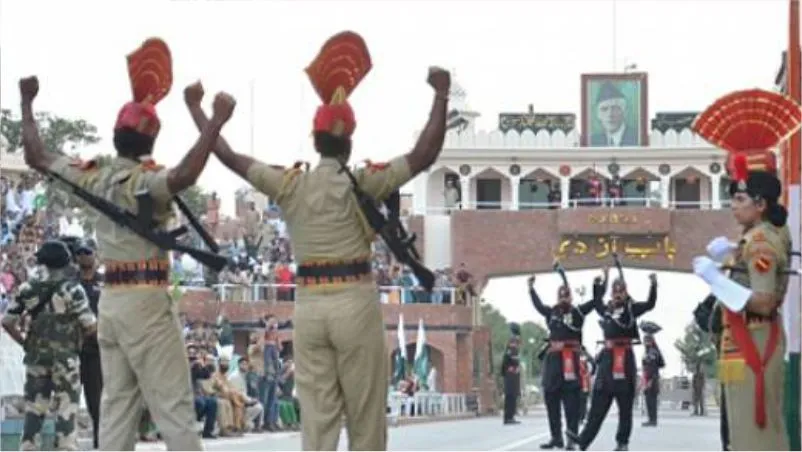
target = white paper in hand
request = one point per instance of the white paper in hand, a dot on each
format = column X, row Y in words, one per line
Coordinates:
column 719, row 248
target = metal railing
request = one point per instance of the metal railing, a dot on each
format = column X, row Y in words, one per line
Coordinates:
column 425, row 404
column 387, row 294
column 577, row 203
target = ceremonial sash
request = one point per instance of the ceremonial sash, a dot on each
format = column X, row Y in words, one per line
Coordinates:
column 584, row 376
column 739, row 350
column 566, row 349
column 619, row 350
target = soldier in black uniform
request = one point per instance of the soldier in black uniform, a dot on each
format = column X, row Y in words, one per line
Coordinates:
column 651, row 364
column 91, row 375
column 707, row 316
column 511, row 371
column 616, row 373
column 561, row 371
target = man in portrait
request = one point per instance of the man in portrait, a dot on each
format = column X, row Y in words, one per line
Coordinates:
column 610, row 110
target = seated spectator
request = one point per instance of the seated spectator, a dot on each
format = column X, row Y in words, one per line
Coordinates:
column 230, row 403
column 205, row 401
column 239, row 383
column 288, row 405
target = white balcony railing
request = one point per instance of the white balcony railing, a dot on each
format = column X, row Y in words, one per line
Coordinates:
column 286, row 292
column 578, row 203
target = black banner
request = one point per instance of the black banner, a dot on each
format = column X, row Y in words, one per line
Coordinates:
column 536, row 122
column 675, row 121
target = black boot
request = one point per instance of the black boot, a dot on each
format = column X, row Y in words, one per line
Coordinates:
column 553, row 444
column 621, row 447
column 573, row 440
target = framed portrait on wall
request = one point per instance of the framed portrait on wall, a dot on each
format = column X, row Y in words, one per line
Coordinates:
column 615, row 110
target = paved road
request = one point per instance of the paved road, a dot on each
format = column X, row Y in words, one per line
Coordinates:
column 677, row 431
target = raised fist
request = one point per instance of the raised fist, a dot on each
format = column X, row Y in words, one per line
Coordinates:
column 193, row 94
column 653, row 278
column 530, row 281
column 29, row 88
column 439, row 79
column 223, row 106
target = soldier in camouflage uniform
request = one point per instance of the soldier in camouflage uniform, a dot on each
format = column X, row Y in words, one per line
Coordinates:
column 141, row 343
column 60, row 318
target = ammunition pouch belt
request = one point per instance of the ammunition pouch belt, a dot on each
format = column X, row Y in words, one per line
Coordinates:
column 333, row 272
column 618, row 343
column 154, row 272
column 557, row 346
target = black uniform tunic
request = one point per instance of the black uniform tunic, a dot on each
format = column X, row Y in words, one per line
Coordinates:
column 565, row 323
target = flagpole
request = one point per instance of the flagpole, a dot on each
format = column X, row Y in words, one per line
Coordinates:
column 792, row 168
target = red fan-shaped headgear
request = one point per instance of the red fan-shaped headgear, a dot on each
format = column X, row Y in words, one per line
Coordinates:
column 335, row 72
column 150, row 70
column 748, row 124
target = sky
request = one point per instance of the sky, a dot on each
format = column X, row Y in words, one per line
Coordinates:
column 505, row 54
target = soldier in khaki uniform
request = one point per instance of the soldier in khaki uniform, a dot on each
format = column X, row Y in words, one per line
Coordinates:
column 340, row 355
column 142, row 349
column 752, row 339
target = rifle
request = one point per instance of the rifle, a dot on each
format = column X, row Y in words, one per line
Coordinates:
column 400, row 242
column 144, row 226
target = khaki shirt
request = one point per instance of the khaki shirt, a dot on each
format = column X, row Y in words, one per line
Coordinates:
column 322, row 214
column 118, row 182
column 763, row 251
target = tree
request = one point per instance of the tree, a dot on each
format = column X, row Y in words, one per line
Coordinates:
column 696, row 348
column 196, row 199
column 59, row 135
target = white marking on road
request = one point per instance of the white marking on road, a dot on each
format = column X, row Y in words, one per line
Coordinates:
column 523, row 442
column 223, row 442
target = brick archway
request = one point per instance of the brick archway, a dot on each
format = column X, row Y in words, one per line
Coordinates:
column 506, row 243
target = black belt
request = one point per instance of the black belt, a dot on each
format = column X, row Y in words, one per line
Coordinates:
column 335, row 272
column 155, row 272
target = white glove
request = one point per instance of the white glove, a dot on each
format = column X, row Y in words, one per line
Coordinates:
column 720, row 247
column 705, row 268
column 729, row 293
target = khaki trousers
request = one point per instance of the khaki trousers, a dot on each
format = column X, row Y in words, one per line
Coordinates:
column 744, row 433
column 341, row 367
column 143, row 356
column 225, row 415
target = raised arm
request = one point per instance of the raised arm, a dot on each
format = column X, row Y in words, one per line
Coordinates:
column 265, row 178
column 599, row 289
column 544, row 310
column 238, row 163
column 638, row 309
column 36, row 156
column 187, row 172
column 430, row 141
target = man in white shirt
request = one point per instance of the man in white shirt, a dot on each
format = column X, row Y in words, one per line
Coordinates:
column 253, row 409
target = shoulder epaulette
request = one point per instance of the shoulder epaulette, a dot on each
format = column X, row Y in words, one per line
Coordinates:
column 373, row 167
column 84, row 165
column 150, row 165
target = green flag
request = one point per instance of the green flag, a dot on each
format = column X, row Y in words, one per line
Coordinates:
column 422, row 357
column 401, row 355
